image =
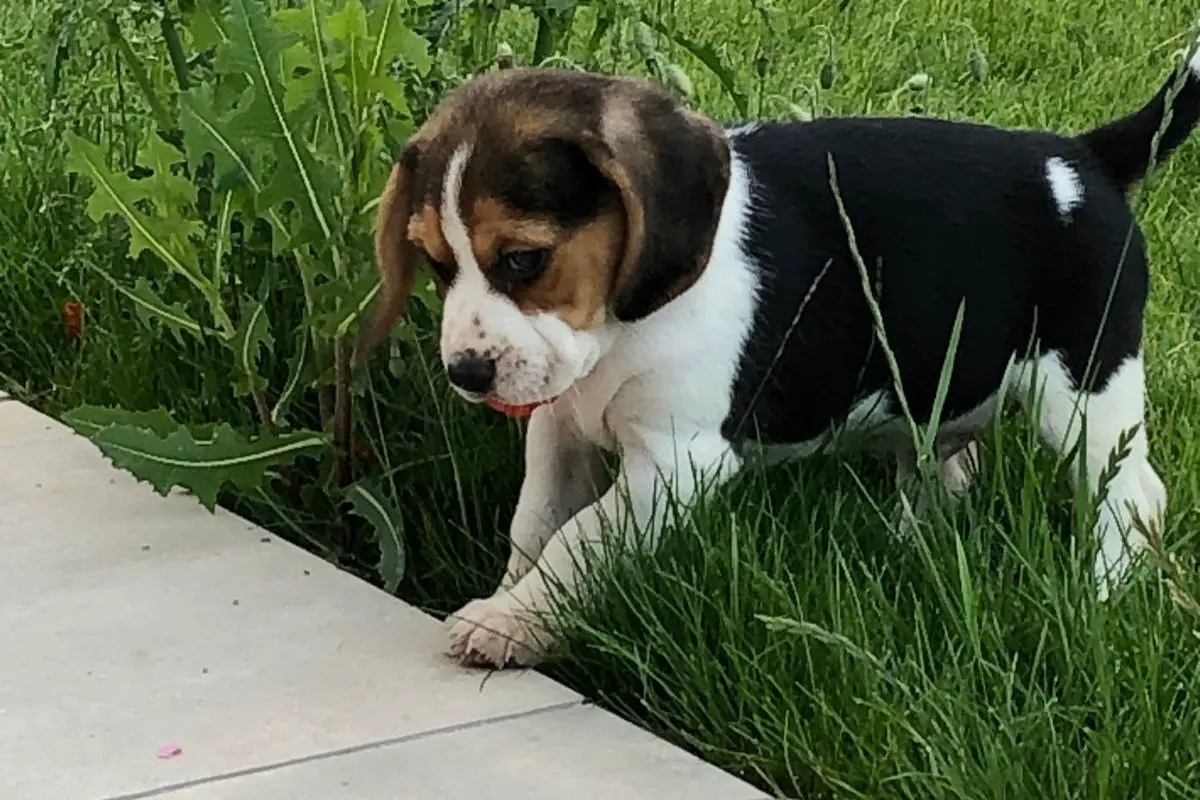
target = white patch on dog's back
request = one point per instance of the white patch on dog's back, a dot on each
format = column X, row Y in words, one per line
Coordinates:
column 1065, row 186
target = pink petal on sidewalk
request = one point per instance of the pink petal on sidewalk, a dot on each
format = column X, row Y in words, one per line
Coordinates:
column 169, row 751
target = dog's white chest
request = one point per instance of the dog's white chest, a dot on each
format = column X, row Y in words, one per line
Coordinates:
column 585, row 406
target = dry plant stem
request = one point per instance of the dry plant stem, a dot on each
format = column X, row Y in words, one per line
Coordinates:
column 263, row 408
column 343, row 421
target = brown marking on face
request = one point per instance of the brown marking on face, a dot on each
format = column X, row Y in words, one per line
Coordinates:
column 583, row 259
column 425, row 231
column 576, row 285
column 496, row 227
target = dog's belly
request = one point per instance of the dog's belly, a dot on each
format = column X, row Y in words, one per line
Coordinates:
column 871, row 426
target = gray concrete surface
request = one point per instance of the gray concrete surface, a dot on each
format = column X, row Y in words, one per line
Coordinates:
column 131, row 622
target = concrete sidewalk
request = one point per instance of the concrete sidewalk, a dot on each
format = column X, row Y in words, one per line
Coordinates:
column 130, row 623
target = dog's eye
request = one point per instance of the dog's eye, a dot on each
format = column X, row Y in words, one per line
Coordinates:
column 522, row 266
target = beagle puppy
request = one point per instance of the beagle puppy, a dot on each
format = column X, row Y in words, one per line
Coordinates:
column 639, row 279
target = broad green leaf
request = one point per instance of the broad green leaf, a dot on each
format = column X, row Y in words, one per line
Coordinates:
column 254, row 42
column 337, row 304
column 149, row 306
column 299, row 366
column 350, row 24
column 167, row 237
column 389, row 90
column 281, row 232
column 202, row 465
column 206, row 24
column 299, row 92
column 369, row 502
column 263, row 113
column 112, row 191
column 365, row 49
column 392, row 39
column 293, row 185
column 253, row 335
column 292, row 20
column 204, row 131
column 89, row 420
column 231, row 91
column 332, row 98
column 348, row 28
column 254, row 47
column 166, row 189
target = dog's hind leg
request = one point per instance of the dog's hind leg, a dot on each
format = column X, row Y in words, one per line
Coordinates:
column 957, row 469
column 1106, row 430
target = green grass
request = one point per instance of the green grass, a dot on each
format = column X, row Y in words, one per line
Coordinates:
column 969, row 663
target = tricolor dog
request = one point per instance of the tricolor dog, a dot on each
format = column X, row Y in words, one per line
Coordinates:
column 641, row 280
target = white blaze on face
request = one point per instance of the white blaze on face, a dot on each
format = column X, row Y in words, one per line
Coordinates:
column 538, row 356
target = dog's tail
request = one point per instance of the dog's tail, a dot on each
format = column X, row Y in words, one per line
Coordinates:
column 1124, row 146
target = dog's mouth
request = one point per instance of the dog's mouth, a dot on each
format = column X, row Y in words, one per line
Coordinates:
column 503, row 406
column 515, row 410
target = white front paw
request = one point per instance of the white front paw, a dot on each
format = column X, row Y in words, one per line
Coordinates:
column 493, row 632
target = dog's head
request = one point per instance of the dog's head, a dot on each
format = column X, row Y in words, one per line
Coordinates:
column 551, row 205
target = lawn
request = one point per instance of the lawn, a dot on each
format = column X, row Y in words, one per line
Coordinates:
column 783, row 632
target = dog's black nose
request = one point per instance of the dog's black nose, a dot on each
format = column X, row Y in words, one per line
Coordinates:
column 473, row 373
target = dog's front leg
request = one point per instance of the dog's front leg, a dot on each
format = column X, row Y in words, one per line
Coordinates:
column 563, row 474
column 658, row 474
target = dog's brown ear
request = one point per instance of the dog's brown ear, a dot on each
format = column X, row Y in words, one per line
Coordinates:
column 395, row 255
column 672, row 170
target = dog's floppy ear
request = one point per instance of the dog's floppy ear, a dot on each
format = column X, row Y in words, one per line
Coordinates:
column 395, row 255
column 671, row 167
